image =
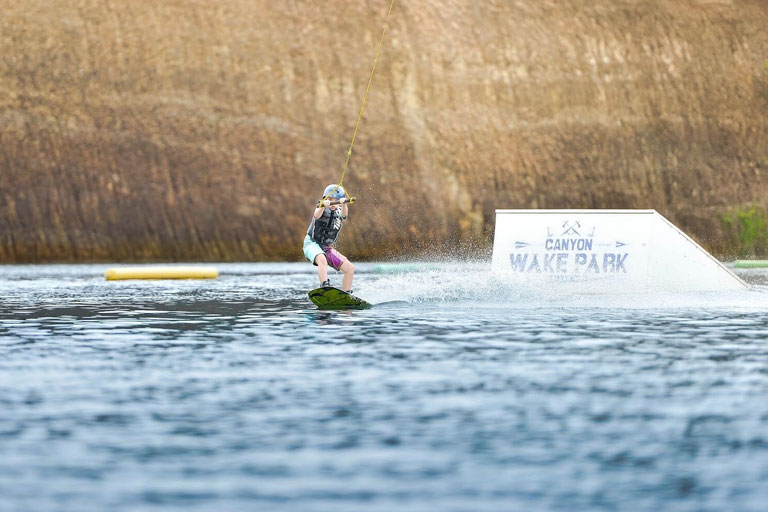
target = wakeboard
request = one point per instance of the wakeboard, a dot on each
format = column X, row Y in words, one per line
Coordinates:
column 333, row 298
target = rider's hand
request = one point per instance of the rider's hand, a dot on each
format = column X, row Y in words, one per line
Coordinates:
column 327, row 202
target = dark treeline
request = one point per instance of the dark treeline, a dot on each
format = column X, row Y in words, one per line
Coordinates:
column 193, row 130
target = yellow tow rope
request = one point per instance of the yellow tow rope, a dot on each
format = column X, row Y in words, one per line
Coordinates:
column 362, row 107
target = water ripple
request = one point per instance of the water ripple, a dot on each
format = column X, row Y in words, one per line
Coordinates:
column 237, row 394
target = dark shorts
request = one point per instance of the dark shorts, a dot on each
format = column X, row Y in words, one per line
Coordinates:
column 334, row 257
column 312, row 250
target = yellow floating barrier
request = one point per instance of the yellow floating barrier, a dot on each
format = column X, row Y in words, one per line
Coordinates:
column 121, row 273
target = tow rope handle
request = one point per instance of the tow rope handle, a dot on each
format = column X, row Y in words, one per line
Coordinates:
column 349, row 200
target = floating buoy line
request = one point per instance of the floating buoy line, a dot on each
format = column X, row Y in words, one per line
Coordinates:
column 124, row 273
column 750, row 264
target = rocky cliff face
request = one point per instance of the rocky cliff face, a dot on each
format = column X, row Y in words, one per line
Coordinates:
column 207, row 130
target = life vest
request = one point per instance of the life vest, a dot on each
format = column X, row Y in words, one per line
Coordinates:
column 325, row 229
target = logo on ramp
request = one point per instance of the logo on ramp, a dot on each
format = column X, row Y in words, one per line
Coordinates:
column 571, row 253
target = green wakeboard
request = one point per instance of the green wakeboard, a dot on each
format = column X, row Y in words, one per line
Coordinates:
column 333, row 298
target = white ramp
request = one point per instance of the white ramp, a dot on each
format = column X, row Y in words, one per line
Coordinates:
column 609, row 251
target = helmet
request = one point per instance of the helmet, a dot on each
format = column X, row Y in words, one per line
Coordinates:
column 335, row 191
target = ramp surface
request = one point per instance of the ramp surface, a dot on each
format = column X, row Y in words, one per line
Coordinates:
column 605, row 251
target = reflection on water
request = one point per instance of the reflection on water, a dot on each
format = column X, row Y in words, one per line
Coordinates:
column 237, row 394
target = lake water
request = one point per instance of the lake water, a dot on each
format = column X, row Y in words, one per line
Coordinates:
column 237, row 394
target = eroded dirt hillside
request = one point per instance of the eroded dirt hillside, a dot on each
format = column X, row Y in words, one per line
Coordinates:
column 196, row 130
